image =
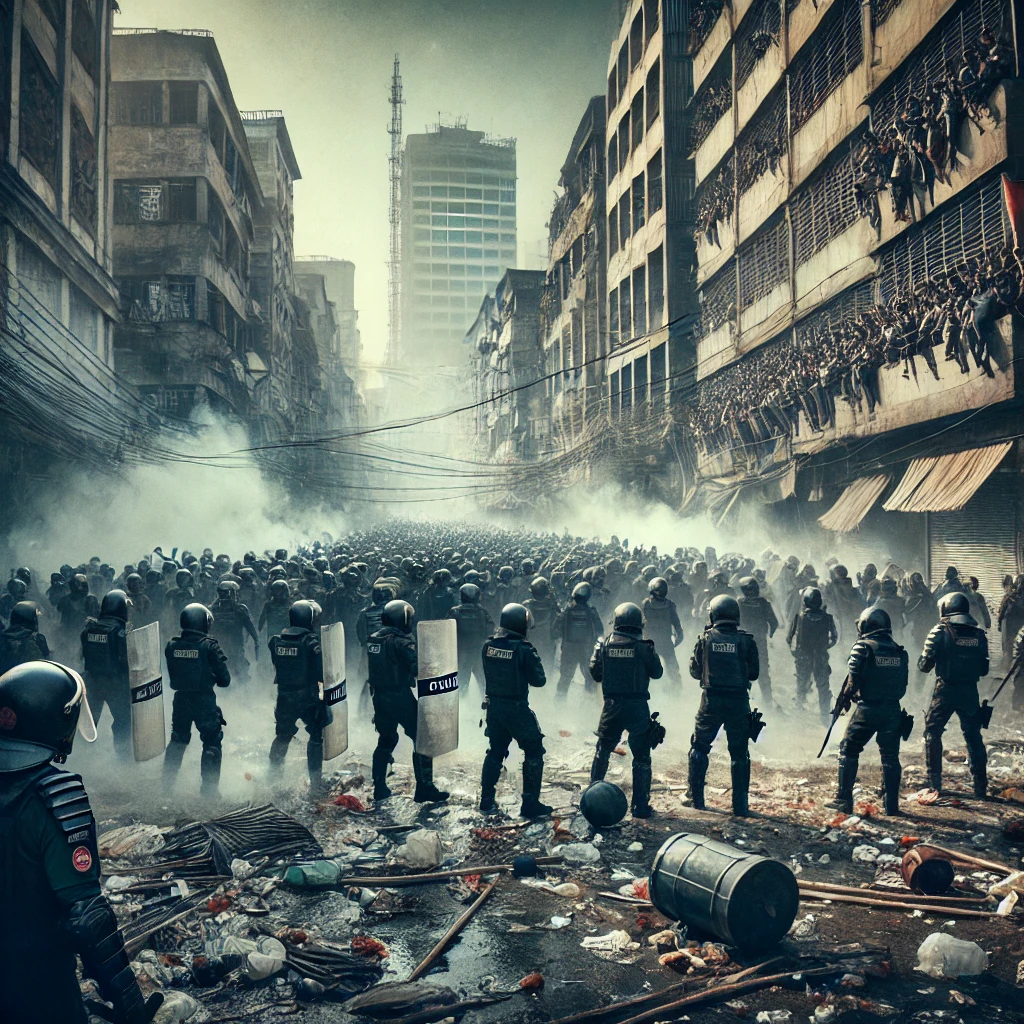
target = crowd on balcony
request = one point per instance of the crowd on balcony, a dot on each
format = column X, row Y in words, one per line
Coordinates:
column 762, row 396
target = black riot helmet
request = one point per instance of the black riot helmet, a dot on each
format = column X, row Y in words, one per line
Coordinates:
column 42, row 703
column 954, row 604
column 516, row 618
column 182, row 579
column 303, row 614
column 749, row 587
column 526, row 566
column 540, row 587
column 603, row 804
column 115, row 604
column 469, row 593
column 629, row 618
column 24, row 574
column 724, row 608
column 874, row 620
column 26, row 615
column 812, row 598
column 79, row 583
column 398, row 615
column 196, row 617
column 470, row 576
column 16, row 588
column 228, row 590
column 327, row 580
column 658, row 587
column 133, row 583
column 581, row 593
column 505, row 573
column 279, row 591
column 382, row 592
column 57, row 580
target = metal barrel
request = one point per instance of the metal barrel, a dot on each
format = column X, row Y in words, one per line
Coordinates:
column 743, row 899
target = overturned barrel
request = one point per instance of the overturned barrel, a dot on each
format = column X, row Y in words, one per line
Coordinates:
column 745, row 900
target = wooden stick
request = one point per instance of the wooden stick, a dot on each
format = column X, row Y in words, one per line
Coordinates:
column 452, row 932
column 966, row 858
column 896, row 894
column 391, row 881
column 833, row 897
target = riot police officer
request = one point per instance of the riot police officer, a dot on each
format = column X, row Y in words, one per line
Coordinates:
column 298, row 675
column 661, row 625
column 474, row 624
column 370, row 618
column 957, row 649
column 511, row 667
column 232, row 621
column 76, row 606
column 624, row 664
column 51, row 904
column 105, row 656
column 879, row 671
column 195, row 665
column 726, row 663
column 544, row 608
column 758, row 618
column 274, row 615
column 579, row 626
column 393, row 666
column 21, row 641
column 178, row 599
column 812, row 633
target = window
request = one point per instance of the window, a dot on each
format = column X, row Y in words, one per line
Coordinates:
column 54, row 11
column 764, row 263
column 636, row 39
column 613, row 156
column 657, row 374
column 84, row 38
column 651, row 18
column 184, row 103
column 613, row 232
column 624, row 141
column 640, row 301
column 654, row 93
column 655, row 189
column 713, row 100
column 181, row 201
column 640, row 381
column 758, row 33
column 613, row 89
column 625, row 310
column 637, row 117
column 639, row 216
column 83, row 171
column 39, row 276
column 656, row 288
column 625, row 229
column 626, row 377
column 824, row 209
column 138, row 102
column 718, row 300
column 623, row 67
column 40, row 120
column 615, row 393
column 613, row 316
column 763, row 146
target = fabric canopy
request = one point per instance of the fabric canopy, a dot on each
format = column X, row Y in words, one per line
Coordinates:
column 947, row 482
column 855, row 503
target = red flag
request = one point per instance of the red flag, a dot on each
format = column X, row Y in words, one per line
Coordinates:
column 1013, row 193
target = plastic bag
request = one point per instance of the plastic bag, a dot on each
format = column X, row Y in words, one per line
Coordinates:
column 942, row 956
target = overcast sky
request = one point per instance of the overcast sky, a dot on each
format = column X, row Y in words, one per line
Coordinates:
column 522, row 68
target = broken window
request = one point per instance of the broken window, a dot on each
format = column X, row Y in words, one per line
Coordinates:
column 758, row 33
column 636, row 39
column 625, row 228
column 712, row 100
column 138, row 102
column 763, row 146
column 83, row 171
column 825, row 208
column 718, row 299
column 654, row 93
column 84, row 38
column 637, row 117
column 639, row 203
column 764, row 263
column 640, row 300
column 656, row 288
column 655, row 190
column 820, row 68
column 625, row 310
column 40, row 119
column 184, row 103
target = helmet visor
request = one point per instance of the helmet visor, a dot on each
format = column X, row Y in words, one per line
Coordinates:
column 86, row 723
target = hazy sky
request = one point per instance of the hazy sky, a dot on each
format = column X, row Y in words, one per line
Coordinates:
column 523, row 68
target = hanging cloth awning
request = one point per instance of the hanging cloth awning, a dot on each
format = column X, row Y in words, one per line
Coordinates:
column 855, row 503
column 945, row 483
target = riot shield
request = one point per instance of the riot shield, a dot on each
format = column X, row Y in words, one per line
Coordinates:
column 146, row 686
column 437, row 718
column 332, row 642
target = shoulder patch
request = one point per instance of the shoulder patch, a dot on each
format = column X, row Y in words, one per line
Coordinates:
column 66, row 799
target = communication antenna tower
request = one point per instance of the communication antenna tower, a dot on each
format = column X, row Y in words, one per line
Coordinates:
column 395, row 216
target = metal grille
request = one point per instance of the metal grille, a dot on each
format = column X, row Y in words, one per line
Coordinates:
column 758, row 33
column 941, row 51
column 848, row 305
column 704, row 15
column 717, row 199
column 764, row 263
column 764, row 142
column 718, row 299
column 822, row 64
column 713, row 99
column 824, row 209
column 881, row 9
column 963, row 232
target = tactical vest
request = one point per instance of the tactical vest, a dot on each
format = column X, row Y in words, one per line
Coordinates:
column 18, row 645
column 543, row 610
column 100, row 642
column 386, row 675
column 373, row 619
column 961, row 657
column 188, row 665
column 228, row 620
column 812, row 630
column 276, row 616
column 884, row 676
column 293, row 661
column 501, row 669
column 725, row 669
column 470, row 622
column 622, row 668
column 577, row 626
column 658, row 617
column 753, row 615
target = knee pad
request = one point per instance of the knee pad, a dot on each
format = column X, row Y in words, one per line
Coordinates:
column 703, row 749
column 182, row 739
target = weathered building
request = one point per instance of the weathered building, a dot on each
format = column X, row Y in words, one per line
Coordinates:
column 857, row 345
column 59, row 398
column 574, row 305
column 649, row 213
column 185, row 191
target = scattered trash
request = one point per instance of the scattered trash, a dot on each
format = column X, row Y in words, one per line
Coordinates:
column 532, row 982
column 177, row 1006
column 804, row 929
column 865, row 854
column 266, row 959
column 635, row 847
column 134, row 840
column 364, row 945
column 942, row 956
column 613, row 942
column 580, row 853
column 422, row 850
column 1020, row 974
column 349, row 802
column 774, row 1016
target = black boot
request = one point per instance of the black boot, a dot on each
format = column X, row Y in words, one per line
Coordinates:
column 599, row 766
column 933, row 761
column 844, row 788
column 315, row 767
column 892, row 774
column 533, row 773
column 980, row 783
column 426, row 791
column 698, row 772
column 489, row 775
column 641, row 802
column 209, row 770
column 278, row 751
column 172, row 763
column 381, row 761
column 740, row 787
